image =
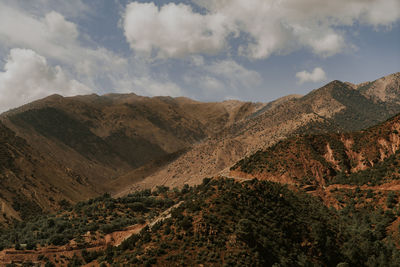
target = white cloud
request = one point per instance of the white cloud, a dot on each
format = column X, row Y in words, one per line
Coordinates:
column 220, row 78
column 146, row 85
column 59, row 28
column 27, row 76
column 317, row 75
column 267, row 27
column 211, row 85
column 18, row 28
column 324, row 43
column 70, row 8
column 274, row 25
column 54, row 37
column 173, row 30
column 197, row 60
column 328, row 45
column 234, row 74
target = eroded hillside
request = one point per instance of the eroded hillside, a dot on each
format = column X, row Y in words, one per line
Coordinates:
column 366, row 157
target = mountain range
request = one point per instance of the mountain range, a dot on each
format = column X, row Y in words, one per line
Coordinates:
column 67, row 149
column 300, row 181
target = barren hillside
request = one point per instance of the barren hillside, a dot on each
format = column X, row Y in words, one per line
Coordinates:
column 82, row 144
column 87, row 145
column 335, row 107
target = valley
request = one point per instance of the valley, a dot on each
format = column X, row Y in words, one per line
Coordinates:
column 124, row 179
column 243, row 133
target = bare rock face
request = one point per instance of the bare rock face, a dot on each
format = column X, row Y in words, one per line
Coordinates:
column 386, row 89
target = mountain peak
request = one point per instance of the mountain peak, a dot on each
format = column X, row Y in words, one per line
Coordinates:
column 385, row 89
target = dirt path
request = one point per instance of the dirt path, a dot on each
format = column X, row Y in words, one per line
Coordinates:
column 239, row 179
column 164, row 215
column 116, row 238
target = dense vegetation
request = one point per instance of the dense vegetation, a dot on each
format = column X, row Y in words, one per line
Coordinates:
column 383, row 171
column 100, row 215
column 223, row 222
column 260, row 223
column 251, row 224
column 360, row 111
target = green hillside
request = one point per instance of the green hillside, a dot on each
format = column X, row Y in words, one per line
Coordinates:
column 225, row 223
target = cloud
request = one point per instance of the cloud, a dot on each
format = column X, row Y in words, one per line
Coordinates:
column 70, row 8
column 27, row 76
column 51, row 35
column 172, row 30
column 264, row 27
column 59, row 28
column 277, row 27
column 220, row 78
column 235, row 75
column 317, row 75
column 324, row 43
column 56, row 38
column 146, row 85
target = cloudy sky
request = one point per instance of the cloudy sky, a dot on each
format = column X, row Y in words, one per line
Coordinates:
column 209, row 50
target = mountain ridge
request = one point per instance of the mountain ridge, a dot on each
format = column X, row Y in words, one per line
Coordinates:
column 122, row 143
column 96, row 139
column 326, row 109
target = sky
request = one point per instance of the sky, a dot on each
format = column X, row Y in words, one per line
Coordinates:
column 208, row 50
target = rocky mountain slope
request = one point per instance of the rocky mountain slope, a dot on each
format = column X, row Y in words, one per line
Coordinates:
column 79, row 147
column 336, row 107
column 30, row 183
column 88, row 145
column 336, row 200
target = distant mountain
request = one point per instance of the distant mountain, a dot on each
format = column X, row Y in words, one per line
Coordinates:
column 385, row 89
column 319, row 185
column 83, row 144
column 335, row 107
column 87, row 145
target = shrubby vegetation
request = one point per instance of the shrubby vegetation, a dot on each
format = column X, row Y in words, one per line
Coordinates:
column 225, row 223
column 260, row 223
column 301, row 157
column 381, row 172
column 360, row 111
column 103, row 214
